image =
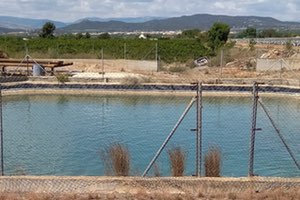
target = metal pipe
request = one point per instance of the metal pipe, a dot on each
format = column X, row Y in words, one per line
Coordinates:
column 156, row 54
column 1, row 133
column 199, row 130
column 125, row 51
column 279, row 134
column 253, row 129
column 102, row 62
column 169, row 137
column 221, row 64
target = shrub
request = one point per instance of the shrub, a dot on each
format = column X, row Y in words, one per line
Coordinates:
column 62, row 78
column 213, row 163
column 116, row 160
column 177, row 161
column 177, row 69
column 129, row 80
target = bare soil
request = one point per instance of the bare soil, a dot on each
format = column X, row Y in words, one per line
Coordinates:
column 147, row 188
column 239, row 66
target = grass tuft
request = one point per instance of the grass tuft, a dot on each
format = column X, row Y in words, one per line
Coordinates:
column 213, row 163
column 116, row 160
column 62, row 78
column 177, row 161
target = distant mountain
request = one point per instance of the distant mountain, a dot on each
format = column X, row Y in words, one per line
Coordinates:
column 93, row 24
column 26, row 23
column 200, row 21
column 8, row 30
column 127, row 20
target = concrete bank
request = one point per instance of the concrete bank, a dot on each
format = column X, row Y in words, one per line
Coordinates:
column 41, row 184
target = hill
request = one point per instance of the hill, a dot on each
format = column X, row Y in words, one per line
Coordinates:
column 17, row 23
column 9, row 30
column 200, row 21
column 93, row 24
column 127, row 19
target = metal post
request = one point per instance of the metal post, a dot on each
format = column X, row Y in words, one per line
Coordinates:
column 221, row 64
column 102, row 62
column 253, row 130
column 125, row 51
column 156, row 56
column 1, row 133
column 199, row 130
column 27, row 58
column 281, row 70
column 169, row 137
column 27, row 64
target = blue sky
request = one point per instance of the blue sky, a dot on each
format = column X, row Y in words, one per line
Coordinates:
column 67, row 10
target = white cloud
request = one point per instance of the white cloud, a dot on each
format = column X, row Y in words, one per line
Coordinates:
column 70, row 10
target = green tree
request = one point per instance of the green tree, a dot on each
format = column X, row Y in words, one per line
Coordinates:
column 250, row 32
column 87, row 35
column 218, row 35
column 48, row 30
column 79, row 36
column 104, row 36
column 267, row 33
column 194, row 33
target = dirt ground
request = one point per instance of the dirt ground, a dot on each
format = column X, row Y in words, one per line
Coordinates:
column 240, row 66
column 34, row 188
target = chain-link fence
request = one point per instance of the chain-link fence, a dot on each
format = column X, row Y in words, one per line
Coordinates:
column 65, row 129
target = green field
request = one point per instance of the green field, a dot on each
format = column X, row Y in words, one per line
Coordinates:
column 168, row 50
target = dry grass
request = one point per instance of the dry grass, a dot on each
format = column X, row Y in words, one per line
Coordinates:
column 277, row 194
column 116, row 160
column 129, row 80
column 177, row 161
column 213, row 163
column 156, row 170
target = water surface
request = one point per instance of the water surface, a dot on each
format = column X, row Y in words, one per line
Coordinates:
column 64, row 135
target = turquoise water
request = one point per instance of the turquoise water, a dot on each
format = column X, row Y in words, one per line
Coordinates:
column 64, row 135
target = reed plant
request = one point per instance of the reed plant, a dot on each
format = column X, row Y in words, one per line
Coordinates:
column 116, row 159
column 213, row 162
column 177, row 159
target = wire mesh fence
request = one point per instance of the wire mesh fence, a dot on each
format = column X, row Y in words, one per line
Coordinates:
column 63, row 129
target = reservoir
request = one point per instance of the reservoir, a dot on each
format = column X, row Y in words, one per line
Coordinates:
column 66, row 134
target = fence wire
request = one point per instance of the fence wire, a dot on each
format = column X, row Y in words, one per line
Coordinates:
column 67, row 128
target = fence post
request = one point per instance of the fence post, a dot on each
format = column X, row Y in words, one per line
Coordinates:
column 1, row 133
column 199, row 130
column 253, row 129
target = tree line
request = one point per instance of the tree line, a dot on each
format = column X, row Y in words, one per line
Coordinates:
column 252, row 32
